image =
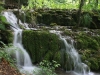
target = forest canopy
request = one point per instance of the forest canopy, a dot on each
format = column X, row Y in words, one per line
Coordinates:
column 64, row 4
column 54, row 4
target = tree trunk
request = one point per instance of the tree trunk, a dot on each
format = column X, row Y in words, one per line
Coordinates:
column 18, row 10
column 96, row 4
column 79, row 13
column 89, row 2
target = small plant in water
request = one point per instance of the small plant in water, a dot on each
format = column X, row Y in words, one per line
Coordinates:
column 47, row 68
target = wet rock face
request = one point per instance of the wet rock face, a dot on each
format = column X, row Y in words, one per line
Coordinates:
column 58, row 17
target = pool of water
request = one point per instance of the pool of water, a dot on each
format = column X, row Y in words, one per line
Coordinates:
column 62, row 72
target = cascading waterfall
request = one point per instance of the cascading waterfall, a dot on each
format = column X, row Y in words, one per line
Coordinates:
column 79, row 68
column 73, row 55
column 22, row 58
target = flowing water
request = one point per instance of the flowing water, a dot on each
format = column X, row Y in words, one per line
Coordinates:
column 77, row 67
column 22, row 57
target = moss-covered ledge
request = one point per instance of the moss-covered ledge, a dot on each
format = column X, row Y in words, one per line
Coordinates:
column 41, row 45
column 44, row 45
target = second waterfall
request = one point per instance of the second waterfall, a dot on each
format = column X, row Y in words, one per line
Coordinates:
column 77, row 67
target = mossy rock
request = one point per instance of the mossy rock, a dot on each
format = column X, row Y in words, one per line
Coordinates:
column 94, row 63
column 85, row 41
column 41, row 44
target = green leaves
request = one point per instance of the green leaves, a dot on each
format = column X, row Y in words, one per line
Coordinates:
column 86, row 20
column 2, row 27
column 3, row 21
column 1, row 8
column 47, row 68
column 52, row 4
column 5, row 54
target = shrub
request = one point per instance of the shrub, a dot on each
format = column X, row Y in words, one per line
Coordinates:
column 47, row 68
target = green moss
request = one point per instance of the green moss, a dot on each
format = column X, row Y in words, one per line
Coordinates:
column 44, row 45
column 94, row 63
column 68, row 32
column 86, row 41
column 53, row 24
column 41, row 45
column 89, row 48
column 60, row 17
column 6, row 36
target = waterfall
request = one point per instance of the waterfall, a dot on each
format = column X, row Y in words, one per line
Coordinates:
column 73, row 55
column 77, row 66
column 22, row 57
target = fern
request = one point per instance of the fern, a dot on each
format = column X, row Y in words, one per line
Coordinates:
column 86, row 20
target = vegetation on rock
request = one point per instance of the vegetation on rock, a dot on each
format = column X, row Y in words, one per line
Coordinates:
column 7, row 63
column 41, row 45
column 88, row 45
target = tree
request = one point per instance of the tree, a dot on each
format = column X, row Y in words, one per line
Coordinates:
column 79, row 12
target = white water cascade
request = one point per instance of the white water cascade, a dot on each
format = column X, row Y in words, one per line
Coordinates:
column 22, row 57
column 79, row 68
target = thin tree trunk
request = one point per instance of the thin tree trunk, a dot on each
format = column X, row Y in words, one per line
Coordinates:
column 79, row 13
column 89, row 2
column 96, row 4
column 18, row 10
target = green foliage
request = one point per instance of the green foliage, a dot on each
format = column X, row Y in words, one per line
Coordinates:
column 1, row 8
column 89, row 57
column 50, row 65
column 85, row 41
column 53, row 24
column 5, row 35
column 92, row 5
column 3, row 21
column 47, row 68
column 68, row 32
column 52, row 4
column 2, row 27
column 62, row 4
column 94, row 63
column 86, row 20
column 4, row 54
column 89, row 46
